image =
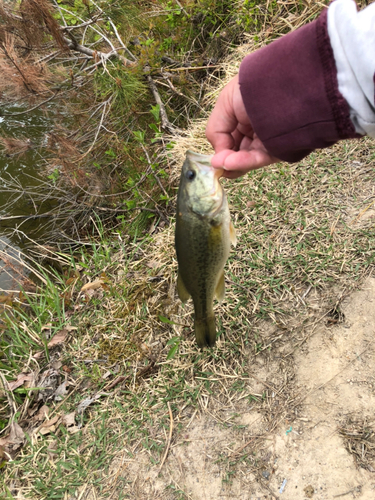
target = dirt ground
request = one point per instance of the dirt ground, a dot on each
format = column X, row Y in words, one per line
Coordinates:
column 308, row 456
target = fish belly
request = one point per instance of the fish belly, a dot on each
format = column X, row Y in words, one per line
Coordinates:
column 202, row 247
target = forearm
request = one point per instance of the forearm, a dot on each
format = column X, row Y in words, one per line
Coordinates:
column 314, row 86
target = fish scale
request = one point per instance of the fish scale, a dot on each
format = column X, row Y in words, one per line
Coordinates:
column 202, row 239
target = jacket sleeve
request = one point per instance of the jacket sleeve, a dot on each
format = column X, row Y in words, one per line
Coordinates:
column 314, row 86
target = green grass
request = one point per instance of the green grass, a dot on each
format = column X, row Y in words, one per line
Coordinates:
column 312, row 218
column 303, row 243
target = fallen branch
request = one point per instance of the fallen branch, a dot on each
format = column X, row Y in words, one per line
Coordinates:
column 74, row 45
column 165, row 123
column 169, row 437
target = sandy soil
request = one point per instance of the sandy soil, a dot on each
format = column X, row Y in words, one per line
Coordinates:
column 305, row 457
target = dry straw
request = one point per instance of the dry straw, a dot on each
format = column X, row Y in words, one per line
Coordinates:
column 304, row 242
column 303, row 245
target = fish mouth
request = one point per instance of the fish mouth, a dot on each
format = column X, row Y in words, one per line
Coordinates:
column 214, row 196
column 206, row 199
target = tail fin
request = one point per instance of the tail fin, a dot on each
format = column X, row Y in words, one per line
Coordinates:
column 205, row 331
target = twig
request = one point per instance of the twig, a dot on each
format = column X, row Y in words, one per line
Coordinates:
column 169, row 437
column 49, row 57
column 165, row 123
column 115, row 382
column 27, row 217
column 308, row 335
column 98, row 129
column 361, row 213
column 61, row 14
column 74, row 45
column 92, row 27
column 87, row 23
column 184, row 68
column 245, row 445
column 265, row 384
column 4, row 49
column 181, row 7
column 173, row 88
column 153, row 173
column 357, row 488
column 116, row 32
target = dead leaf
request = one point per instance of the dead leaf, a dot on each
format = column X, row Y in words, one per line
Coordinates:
column 71, row 328
column 21, row 379
column 69, row 281
column 74, row 429
column 51, row 450
column 56, row 365
column 87, row 402
column 58, row 338
column 4, row 457
column 61, row 392
column 42, row 413
column 69, row 419
column 14, row 440
column 49, row 425
column 154, row 264
column 92, row 286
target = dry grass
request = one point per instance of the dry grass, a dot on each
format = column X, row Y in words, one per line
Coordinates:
column 304, row 242
column 359, row 438
column 303, row 246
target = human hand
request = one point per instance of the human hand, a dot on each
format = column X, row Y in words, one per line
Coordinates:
column 237, row 147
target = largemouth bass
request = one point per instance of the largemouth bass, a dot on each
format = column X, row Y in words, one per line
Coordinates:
column 203, row 236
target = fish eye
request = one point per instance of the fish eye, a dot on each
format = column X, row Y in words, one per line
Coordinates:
column 190, row 175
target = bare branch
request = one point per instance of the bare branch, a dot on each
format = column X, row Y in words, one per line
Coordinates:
column 165, row 123
column 92, row 27
column 116, row 33
column 74, row 45
column 181, row 7
column 107, row 103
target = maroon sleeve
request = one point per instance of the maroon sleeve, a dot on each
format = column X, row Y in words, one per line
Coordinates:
column 291, row 94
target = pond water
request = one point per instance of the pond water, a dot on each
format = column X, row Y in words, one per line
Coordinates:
column 25, row 170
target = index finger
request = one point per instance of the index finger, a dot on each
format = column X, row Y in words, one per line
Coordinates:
column 242, row 161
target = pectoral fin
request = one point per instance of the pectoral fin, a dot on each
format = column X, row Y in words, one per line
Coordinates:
column 220, row 288
column 232, row 234
column 181, row 289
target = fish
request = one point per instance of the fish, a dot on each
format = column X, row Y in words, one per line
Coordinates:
column 203, row 235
